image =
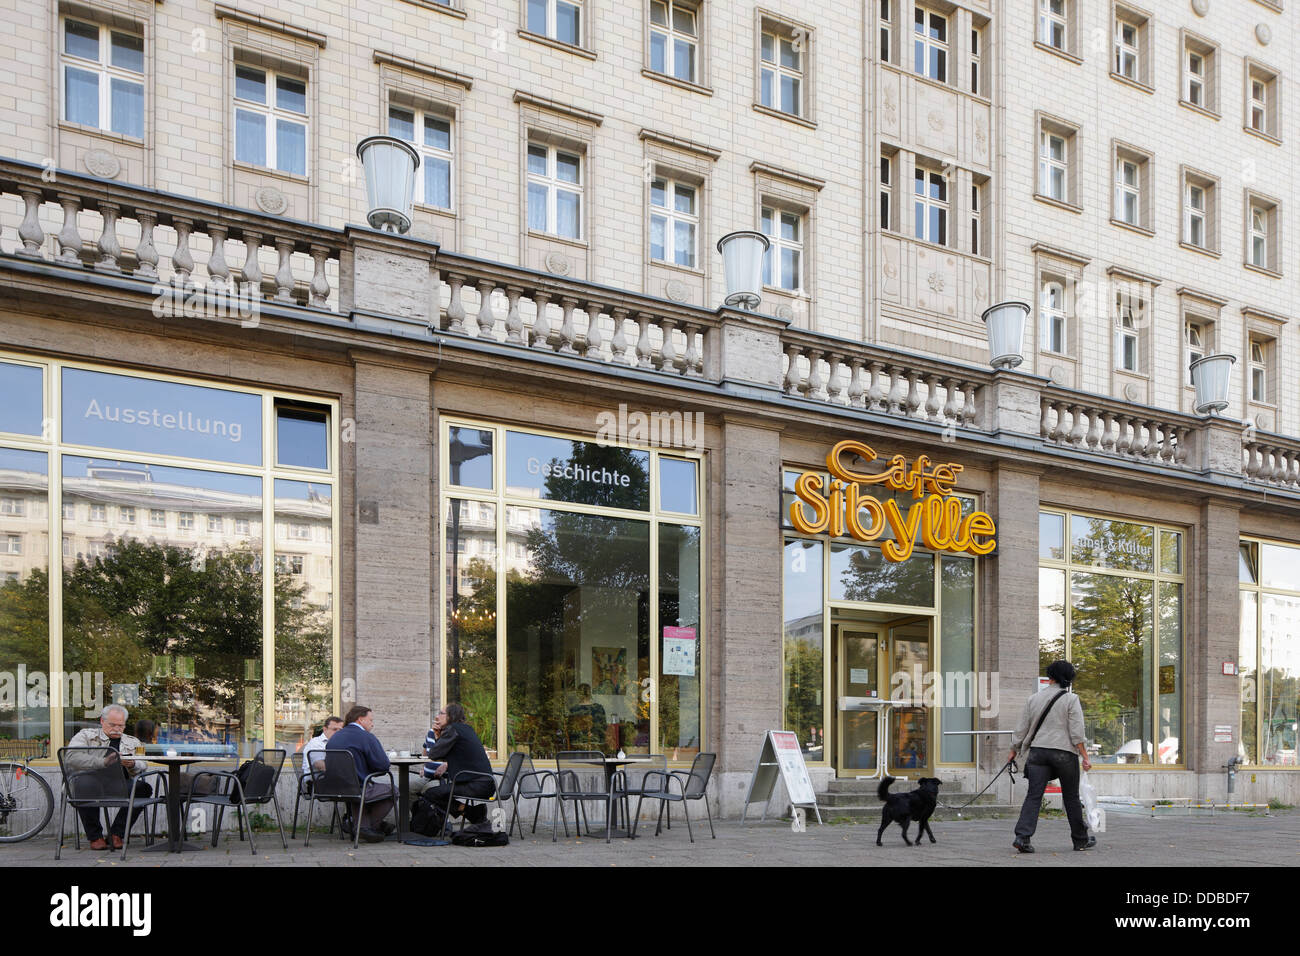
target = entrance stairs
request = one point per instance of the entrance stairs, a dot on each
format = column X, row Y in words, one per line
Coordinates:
column 855, row 799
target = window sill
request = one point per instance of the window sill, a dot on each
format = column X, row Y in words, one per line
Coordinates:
column 557, row 44
column 1212, row 253
column 1204, row 111
column 1048, row 48
column 782, row 115
column 435, row 210
column 673, row 81
column 274, row 173
column 1266, row 137
column 1056, row 355
column 693, row 271
column 101, row 133
column 1140, row 230
column 1262, row 271
column 928, row 81
column 440, row 7
column 550, row 237
column 1129, row 81
column 799, row 295
column 1058, row 203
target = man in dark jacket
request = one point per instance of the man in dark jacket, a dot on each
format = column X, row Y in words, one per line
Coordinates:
column 358, row 736
column 460, row 749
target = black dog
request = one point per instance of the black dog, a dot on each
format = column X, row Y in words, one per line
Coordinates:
column 904, row 807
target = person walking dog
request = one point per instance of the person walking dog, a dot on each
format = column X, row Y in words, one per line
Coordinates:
column 1056, row 716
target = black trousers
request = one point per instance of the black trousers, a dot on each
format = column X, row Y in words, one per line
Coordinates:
column 1046, row 764
column 439, row 793
column 90, row 816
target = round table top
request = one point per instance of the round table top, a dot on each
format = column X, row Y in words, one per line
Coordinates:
column 411, row 759
column 180, row 758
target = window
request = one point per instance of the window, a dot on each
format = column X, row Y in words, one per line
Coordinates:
column 288, row 563
column 157, row 518
column 430, row 134
column 185, row 521
column 241, row 526
column 976, row 53
column 674, row 221
column 931, row 206
column 674, row 39
column 300, row 532
column 783, row 261
column 1131, row 56
column 1200, row 74
column 1197, row 339
column 1053, row 24
column 126, row 514
column 1127, row 194
column 1126, row 48
column 12, row 544
column 781, row 71
column 13, row 506
column 930, row 44
column 976, row 196
column 886, row 29
column 1057, row 149
column 1194, row 79
column 886, row 192
column 1052, row 311
column 215, row 524
column 69, row 511
column 12, row 577
column 556, row 19
column 1130, row 320
column 270, row 120
column 67, row 546
column 98, row 513
column 554, row 191
column 1261, row 234
column 1258, row 370
column 1262, row 101
column 103, row 78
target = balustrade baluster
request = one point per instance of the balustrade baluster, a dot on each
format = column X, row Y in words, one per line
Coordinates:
column 29, row 230
column 69, row 235
column 591, row 345
column 644, row 352
column 856, row 389
column 618, row 345
column 692, row 357
column 793, row 377
column 969, row 408
column 950, row 400
column 913, row 393
column 567, row 335
column 284, row 273
column 218, row 268
column 320, row 284
column 146, row 255
column 110, row 250
column 514, row 321
column 487, row 319
column 542, row 324
column 875, row 391
column 455, row 307
column 668, row 352
column 897, row 392
column 250, row 274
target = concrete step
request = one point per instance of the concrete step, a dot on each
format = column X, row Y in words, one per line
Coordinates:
column 868, row 813
column 839, row 798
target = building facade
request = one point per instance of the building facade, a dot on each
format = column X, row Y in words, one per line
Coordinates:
column 519, row 456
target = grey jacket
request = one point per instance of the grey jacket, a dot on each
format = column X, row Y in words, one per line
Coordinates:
column 95, row 737
column 1063, row 728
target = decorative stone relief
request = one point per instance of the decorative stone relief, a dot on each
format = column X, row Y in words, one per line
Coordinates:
column 935, row 281
column 1131, row 392
column 1200, row 7
column 101, row 163
column 891, row 108
column 557, row 263
column 981, row 138
column 1264, row 34
column 935, row 119
column 270, row 200
column 981, row 294
column 1056, row 374
column 785, row 312
column 674, row 289
column 1261, row 421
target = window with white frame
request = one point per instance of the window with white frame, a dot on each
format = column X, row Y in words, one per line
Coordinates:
column 1052, row 312
column 886, row 27
column 1200, row 74
column 887, row 192
column 270, row 119
column 781, row 70
column 783, row 260
column 1128, row 191
column 1055, row 154
column 1261, row 234
column 976, row 218
column 98, row 513
column 288, row 563
column 930, row 44
column 1258, row 237
column 69, row 511
column 14, row 507
column 674, row 221
column 1130, row 311
column 976, row 58
column 431, row 135
column 299, row 532
column 185, row 521
column 1197, row 200
column 1053, row 24
column 1259, row 369
column 103, row 77
column 674, row 39
column 555, row 191
column 214, row 524
column 13, row 544
column 558, row 19
column 1258, row 105
column 1196, row 337
column 1126, row 48
column 930, row 205
column 157, row 518
column 126, row 514
column 1261, row 100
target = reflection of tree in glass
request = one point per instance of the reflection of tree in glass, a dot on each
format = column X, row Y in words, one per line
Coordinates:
column 869, row 577
column 591, row 456
column 474, row 621
column 803, row 684
column 25, row 641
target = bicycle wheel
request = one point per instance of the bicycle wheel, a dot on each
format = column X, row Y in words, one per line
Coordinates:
column 26, row 802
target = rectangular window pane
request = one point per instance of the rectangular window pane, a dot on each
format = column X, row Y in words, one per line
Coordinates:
column 81, row 91
column 658, row 52
column 1112, row 544
column 789, row 268
column 437, row 182
column 290, row 147
column 862, row 573
column 567, row 168
column 470, row 457
column 291, row 94
column 24, row 606
column 567, row 23
column 789, row 95
column 559, row 469
column 677, row 481
column 437, row 133
column 250, row 137
column 957, row 652
column 658, row 238
column 302, row 437
column 684, row 60
column 803, row 680
column 471, row 662
column 23, row 409
column 127, row 107
column 81, row 39
column 250, row 84
column 128, row 52
column 1281, row 567
column 684, row 243
column 537, row 17
column 1247, row 655
column 681, row 636
column 537, row 160
column 1051, row 617
column 401, row 123
column 568, row 214
column 1169, row 678
column 766, row 95
column 537, row 207
column 683, row 20
column 767, row 48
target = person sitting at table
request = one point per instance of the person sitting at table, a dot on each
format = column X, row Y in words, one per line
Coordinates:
column 587, row 718
column 317, row 745
column 358, row 736
column 460, row 749
column 109, row 734
column 430, row 774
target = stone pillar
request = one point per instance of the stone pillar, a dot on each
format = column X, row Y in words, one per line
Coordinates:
column 394, row 647
column 748, row 349
column 1213, row 619
column 1013, row 404
column 388, row 278
column 747, row 583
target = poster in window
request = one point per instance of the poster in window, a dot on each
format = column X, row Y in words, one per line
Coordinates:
column 609, row 670
column 679, row 651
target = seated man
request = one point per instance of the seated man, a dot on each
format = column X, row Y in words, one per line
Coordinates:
column 430, row 775
column 112, row 723
column 358, row 736
column 460, row 749
column 317, row 745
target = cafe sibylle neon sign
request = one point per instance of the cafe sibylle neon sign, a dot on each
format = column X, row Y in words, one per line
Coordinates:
column 934, row 518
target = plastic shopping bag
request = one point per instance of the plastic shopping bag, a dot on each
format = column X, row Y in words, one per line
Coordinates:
column 1092, row 813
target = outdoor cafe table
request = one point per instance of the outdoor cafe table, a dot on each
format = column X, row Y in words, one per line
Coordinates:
column 175, row 826
column 611, row 765
column 403, row 765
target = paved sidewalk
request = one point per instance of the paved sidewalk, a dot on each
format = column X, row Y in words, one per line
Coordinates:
column 1221, row 839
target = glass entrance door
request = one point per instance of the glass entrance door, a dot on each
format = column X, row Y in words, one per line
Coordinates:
column 858, row 677
column 909, row 731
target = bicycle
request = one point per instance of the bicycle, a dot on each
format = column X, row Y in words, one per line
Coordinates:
column 26, row 801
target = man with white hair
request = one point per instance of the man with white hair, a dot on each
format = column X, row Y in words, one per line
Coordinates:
column 109, row 734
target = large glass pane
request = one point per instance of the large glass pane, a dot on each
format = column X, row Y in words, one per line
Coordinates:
column 1280, row 567
column 1279, row 678
column 81, row 91
column 127, row 107
column 471, row 652
column 537, row 17
column 567, row 27
column 290, row 147
column 559, row 469
column 1051, row 536
column 250, row 137
column 910, row 655
column 684, row 244
column 568, row 214
column 291, row 94
column 677, row 486
column 23, row 409
column 577, row 633
column 170, row 613
column 861, row 573
column 1171, row 552
column 1248, row 563
column 81, row 39
column 957, row 658
column 146, row 415
column 437, row 132
column 250, row 84
column 469, row 453
column 302, row 437
column 437, row 182
column 128, row 52
column 24, row 601
column 681, row 645
column 1170, row 677
column 1112, row 544
column 537, row 207
column 1247, row 655
column 1051, row 617
column 658, row 52
column 304, row 610
column 804, row 646
column 1111, row 630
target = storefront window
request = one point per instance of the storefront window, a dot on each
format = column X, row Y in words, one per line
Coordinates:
column 469, row 457
column 1269, row 658
column 804, row 646
column 677, row 486
column 957, row 657
column 1051, row 536
column 679, row 649
column 23, row 409
column 24, row 596
column 1111, row 544
column 302, row 437
column 470, row 564
column 861, row 573
column 1248, row 749
column 577, row 472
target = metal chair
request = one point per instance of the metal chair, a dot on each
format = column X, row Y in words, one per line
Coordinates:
column 581, row 779
column 630, row 781
column 531, row 785
column 303, row 791
column 337, row 782
column 93, row 778
column 227, row 791
column 690, row 786
column 505, row 789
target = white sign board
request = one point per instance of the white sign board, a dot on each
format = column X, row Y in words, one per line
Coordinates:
column 781, row 753
column 859, row 675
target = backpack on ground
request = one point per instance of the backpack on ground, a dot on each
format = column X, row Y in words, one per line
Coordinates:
column 479, row 834
column 427, row 818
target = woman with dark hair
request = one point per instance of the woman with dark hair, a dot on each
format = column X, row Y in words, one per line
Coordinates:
column 1051, row 726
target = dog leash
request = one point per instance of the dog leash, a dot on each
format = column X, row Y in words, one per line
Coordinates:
column 1009, row 766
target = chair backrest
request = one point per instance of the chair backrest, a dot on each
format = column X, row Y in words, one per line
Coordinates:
column 88, row 776
column 339, row 776
column 528, row 784
column 701, row 769
column 581, row 771
column 264, row 775
column 634, row 773
column 506, row 790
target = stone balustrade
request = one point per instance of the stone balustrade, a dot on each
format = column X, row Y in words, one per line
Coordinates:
column 1093, row 423
column 1271, row 459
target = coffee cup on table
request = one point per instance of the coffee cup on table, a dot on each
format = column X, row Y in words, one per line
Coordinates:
column 403, row 753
